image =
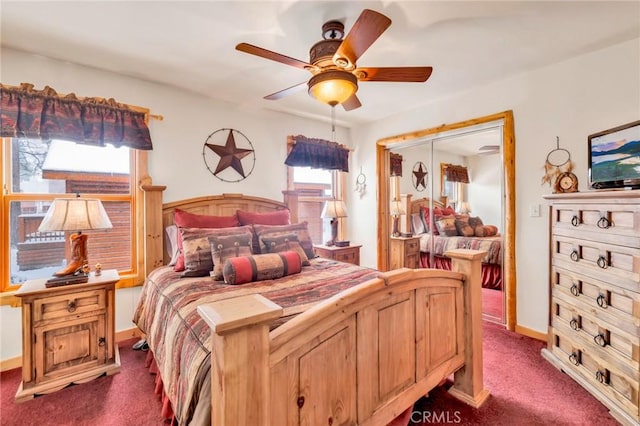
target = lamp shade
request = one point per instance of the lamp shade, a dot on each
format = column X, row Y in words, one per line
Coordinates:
column 396, row 208
column 333, row 209
column 333, row 87
column 464, row 207
column 75, row 214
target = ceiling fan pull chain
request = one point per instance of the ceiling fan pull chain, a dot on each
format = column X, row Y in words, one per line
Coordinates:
column 333, row 123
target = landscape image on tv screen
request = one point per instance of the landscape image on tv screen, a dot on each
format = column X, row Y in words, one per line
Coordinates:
column 616, row 156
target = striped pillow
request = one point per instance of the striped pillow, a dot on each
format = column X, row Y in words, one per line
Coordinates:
column 246, row 269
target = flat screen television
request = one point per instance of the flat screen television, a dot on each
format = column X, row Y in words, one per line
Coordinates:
column 614, row 157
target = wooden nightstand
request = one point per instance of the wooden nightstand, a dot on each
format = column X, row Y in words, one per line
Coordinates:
column 67, row 334
column 405, row 252
column 348, row 254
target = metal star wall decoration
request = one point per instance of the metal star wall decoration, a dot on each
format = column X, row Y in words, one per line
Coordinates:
column 420, row 175
column 230, row 154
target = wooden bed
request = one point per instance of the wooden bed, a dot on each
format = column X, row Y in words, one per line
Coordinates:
column 362, row 356
column 439, row 244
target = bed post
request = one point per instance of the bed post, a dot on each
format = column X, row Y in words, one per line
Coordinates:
column 240, row 359
column 153, row 232
column 468, row 381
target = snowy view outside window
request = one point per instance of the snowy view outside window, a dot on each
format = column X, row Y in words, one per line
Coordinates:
column 43, row 170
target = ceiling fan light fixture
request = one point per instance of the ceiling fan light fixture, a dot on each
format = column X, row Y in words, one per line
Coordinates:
column 333, row 87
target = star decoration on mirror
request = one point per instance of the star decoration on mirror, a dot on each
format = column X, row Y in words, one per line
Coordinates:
column 230, row 154
column 420, row 175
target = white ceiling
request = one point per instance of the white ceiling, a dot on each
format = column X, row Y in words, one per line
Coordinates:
column 191, row 45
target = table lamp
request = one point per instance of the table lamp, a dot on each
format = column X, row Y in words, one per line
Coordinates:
column 333, row 209
column 396, row 210
column 74, row 214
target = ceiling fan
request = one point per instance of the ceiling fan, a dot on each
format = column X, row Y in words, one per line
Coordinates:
column 332, row 61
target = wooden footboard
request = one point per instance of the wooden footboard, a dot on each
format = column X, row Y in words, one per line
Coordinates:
column 361, row 357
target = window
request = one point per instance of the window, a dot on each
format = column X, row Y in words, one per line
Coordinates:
column 37, row 171
column 314, row 187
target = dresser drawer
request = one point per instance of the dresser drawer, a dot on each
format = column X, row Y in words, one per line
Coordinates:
column 612, row 223
column 412, row 246
column 602, row 261
column 603, row 339
column 605, row 301
column 65, row 305
column 600, row 375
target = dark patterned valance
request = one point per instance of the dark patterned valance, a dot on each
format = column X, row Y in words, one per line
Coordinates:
column 318, row 154
column 43, row 114
column 396, row 164
column 456, row 173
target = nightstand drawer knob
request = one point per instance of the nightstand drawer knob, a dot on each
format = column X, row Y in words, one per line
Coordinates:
column 575, row 221
column 71, row 306
column 604, row 223
column 575, row 325
column 574, row 256
column 575, row 290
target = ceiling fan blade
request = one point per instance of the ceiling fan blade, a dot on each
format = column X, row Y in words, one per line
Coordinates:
column 352, row 103
column 286, row 92
column 268, row 54
column 400, row 74
column 367, row 28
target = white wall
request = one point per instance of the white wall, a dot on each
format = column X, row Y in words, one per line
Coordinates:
column 571, row 99
column 176, row 160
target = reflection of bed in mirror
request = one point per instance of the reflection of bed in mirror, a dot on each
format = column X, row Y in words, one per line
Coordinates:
column 433, row 246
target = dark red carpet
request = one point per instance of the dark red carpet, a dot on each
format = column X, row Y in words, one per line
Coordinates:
column 123, row 399
column 525, row 391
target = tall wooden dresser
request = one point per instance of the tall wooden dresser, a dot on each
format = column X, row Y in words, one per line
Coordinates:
column 594, row 318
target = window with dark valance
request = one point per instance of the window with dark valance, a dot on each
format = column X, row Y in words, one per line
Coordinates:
column 455, row 173
column 43, row 114
column 318, row 154
column 396, row 164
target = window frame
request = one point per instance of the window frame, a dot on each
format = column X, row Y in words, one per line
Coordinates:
column 138, row 173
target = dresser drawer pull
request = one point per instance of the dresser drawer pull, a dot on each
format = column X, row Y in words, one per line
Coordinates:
column 575, row 221
column 575, row 256
column 574, row 358
column 102, row 341
column 604, row 223
column 601, row 377
column 600, row 340
column 602, row 262
column 602, row 301
column 71, row 306
column 575, row 290
column 575, row 325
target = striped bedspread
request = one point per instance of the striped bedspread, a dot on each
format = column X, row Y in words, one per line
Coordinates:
column 492, row 245
column 180, row 339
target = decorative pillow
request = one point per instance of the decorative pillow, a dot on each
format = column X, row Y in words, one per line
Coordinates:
column 287, row 242
column 245, row 269
column 424, row 213
column 184, row 219
column 485, row 230
column 171, row 243
column 417, row 224
column 475, row 221
column 278, row 217
column 197, row 249
column 300, row 229
column 447, row 226
column 227, row 246
column 462, row 226
column 447, row 211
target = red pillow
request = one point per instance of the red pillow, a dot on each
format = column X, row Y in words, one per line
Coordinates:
column 430, row 227
column 184, row 219
column 246, row 269
column 278, row 217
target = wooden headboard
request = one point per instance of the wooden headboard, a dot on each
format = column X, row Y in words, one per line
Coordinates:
column 413, row 206
column 158, row 216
